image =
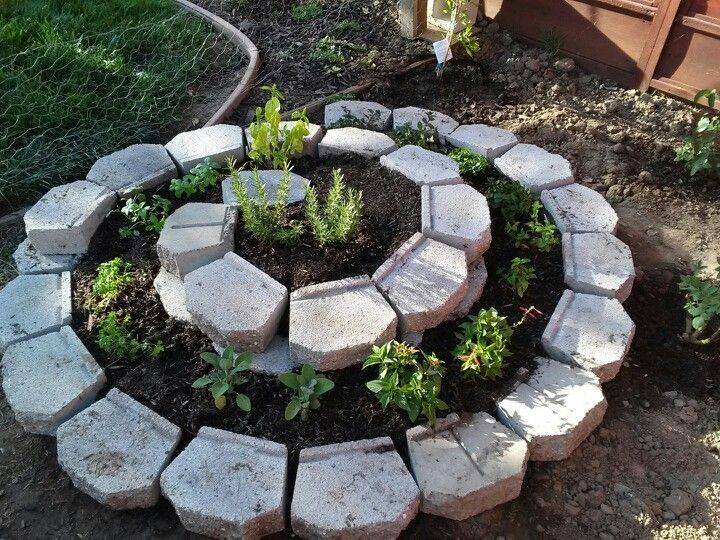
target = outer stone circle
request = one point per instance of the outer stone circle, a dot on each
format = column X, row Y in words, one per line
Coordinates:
column 535, row 168
column 352, row 140
column 423, row 166
column 372, row 115
column 488, row 141
column 216, row 143
column 579, row 209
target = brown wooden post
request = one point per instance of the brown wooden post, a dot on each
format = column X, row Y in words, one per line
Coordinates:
column 412, row 16
column 659, row 31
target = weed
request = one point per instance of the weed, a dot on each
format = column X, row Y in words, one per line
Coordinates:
column 346, row 25
column 143, row 215
column 339, row 219
column 226, row 376
column 116, row 339
column 308, row 387
column 333, row 52
column 552, row 41
column 702, row 306
column 306, row 12
column 340, row 96
column 471, row 164
column 423, row 134
column 483, row 345
column 200, row 178
column 534, row 233
column 511, row 198
column 519, row 275
column 701, row 151
column 111, row 278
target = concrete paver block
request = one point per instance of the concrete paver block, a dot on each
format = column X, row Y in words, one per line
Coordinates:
column 534, row 168
column 488, row 141
column 352, row 140
column 135, row 168
column 414, row 116
column 216, row 142
column 579, row 209
column 171, row 290
column 372, row 115
column 423, row 166
column 29, row 261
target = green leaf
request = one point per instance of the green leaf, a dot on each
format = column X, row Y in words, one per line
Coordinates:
column 375, row 386
column 202, row 382
column 290, row 380
column 323, row 385
column 211, row 358
column 243, row 402
column 220, row 402
column 308, row 372
column 292, row 409
column 219, row 388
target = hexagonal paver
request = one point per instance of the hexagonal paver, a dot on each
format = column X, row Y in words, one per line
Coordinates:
column 195, row 235
column 424, row 281
column 271, row 180
column 65, row 219
column 477, row 277
column 29, row 261
column 171, row 290
column 423, row 166
column 535, row 168
column 555, row 410
column 359, row 489
column 216, row 142
column 413, row 116
column 465, row 468
column 372, row 115
column 310, row 141
column 275, row 359
column 115, row 450
column 135, row 168
column 579, row 209
column 226, row 485
column 352, row 140
column 589, row 331
column 34, row 305
column 236, row 304
column 458, row 216
column 335, row 324
column 598, row 263
column 48, row 379
column 488, row 141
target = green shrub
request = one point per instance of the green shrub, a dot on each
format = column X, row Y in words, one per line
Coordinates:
column 471, row 164
column 424, row 134
column 143, row 215
column 534, row 233
column 226, row 375
column 407, row 380
column 511, row 198
column 701, row 151
column 340, row 96
column 519, row 275
column 111, row 278
column 306, row 12
column 333, row 52
column 200, row 178
column 483, row 345
column 466, row 37
column 702, row 306
column 117, row 340
column 308, row 387
column 338, row 221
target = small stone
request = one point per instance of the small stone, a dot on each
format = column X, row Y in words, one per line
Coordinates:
column 423, row 166
column 204, row 481
column 171, row 290
column 29, row 261
column 335, row 324
column 48, row 379
column 358, row 489
column 565, row 64
column 415, row 116
column 488, row 141
column 215, row 143
column 135, row 168
column 196, row 234
column 477, row 277
column 368, row 113
column 579, row 209
column 534, row 168
column 275, row 359
column 271, row 180
column 65, row 219
column 115, row 450
column 678, row 502
column 352, row 140
column 645, row 176
column 310, row 141
column 605, row 509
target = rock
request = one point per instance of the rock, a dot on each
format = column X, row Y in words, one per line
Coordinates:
column 458, row 216
column 598, row 263
column 271, row 180
column 171, row 290
column 135, row 168
column 275, row 359
column 565, row 64
column 48, row 379
column 34, row 305
column 477, row 277
column 65, row 219
column 115, row 450
column 194, row 235
column 534, row 168
column 415, row 116
column 592, row 332
column 555, row 410
column 310, row 141
column 204, row 483
column 424, row 281
column 358, row 489
column 423, row 166
column 235, row 303
column 335, row 324
column 29, row 261
column 352, row 140
column 678, row 502
column 215, row 143
column 578, row 209
column 488, row 141
column 369, row 114
column 465, row 468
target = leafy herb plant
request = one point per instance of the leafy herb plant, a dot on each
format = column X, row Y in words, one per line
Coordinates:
column 423, row 134
column 483, row 345
column 308, row 387
column 512, row 199
column 701, row 151
column 407, row 379
column 227, row 374
column 519, row 275
column 148, row 216
column 471, row 164
column 110, row 279
column 457, row 9
column 702, row 306
column 338, row 221
column 306, row 12
column 200, row 178
column 534, row 233
column 115, row 338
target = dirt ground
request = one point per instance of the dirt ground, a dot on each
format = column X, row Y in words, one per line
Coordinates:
column 652, row 469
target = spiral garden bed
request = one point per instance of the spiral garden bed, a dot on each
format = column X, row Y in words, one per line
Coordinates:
column 416, row 269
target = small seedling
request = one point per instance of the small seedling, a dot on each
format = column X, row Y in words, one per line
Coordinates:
column 346, row 25
column 226, row 376
column 551, row 42
column 338, row 221
column 519, row 275
column 702, row 306
column 333, row 52
column 483, row 345
column 512, row 199
column 471, row 164
column 143, row 215
column 308, row 387
column 306, row 12
column 116, row 339
column 701, row 151
column 423, row 134
column 112, row 276
column 201, row 177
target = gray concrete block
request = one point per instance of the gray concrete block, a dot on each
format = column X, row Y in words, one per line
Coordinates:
column 48, row 379
column 216, row 142
column 352, row 140
column 579, row 209
column 310, row 141
column 271, row 180
column 226, row 485
column 115, row 450
column 353, row 490
column 171, row 290
column 477, row 277
column 34, row 305
column 275, row 359
column 535, row 168
column 235, row 303
column 29, row 261
column 423, row 166
column 65, row 219
column 488, row 141
column 413, row 116
column 372, row 115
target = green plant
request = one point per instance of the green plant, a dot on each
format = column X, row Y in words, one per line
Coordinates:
column 200, row 178
column 346, row 25
column 471, row 164
column 423, row 134
column 551, row 41
column 541, row 235
column 226, row 375
column 110, row 279
column 272, row 144
column 407, row 379
column 519, row 275
column 333, row 52
column 483, row 345
column 702, row 306
column 143, row 215
column 511, row 198
column 308, row 387
column 116, row 339
column 457, row 9
column 261, row 217
column 340, row 96
column 306, row 12
column 701, row 151
column 339, row 219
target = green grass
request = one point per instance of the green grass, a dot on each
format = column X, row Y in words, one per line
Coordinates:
column 82, row 78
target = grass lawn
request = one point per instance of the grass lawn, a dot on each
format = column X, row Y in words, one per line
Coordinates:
column 82, row 78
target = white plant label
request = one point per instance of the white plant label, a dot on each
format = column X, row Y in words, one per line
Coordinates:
column 443, row 53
